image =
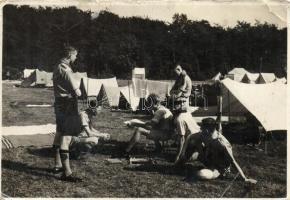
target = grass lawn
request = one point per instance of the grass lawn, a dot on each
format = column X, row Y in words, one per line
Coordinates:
column 25, row 171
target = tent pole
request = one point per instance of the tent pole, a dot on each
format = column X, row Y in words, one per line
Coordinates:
column 130, row 96
column 220, row 108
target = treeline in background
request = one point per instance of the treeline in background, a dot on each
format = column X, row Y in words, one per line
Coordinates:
column 112, row 45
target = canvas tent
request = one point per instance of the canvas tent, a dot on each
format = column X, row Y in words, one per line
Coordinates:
column 128, row 99
column 92, row 87
column 79, row 75
column 49, row 81
column 237, row 73
column 142, row 88
column 138, row 73
column 38, row 78
column 216, row 77
column 250, row 77
column 109, row 96
column 267, row 102
column 266, row 78
column 27, row 72
column 158, row 87
column 282, row 80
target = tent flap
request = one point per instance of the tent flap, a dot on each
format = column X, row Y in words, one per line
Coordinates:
column 267, row 102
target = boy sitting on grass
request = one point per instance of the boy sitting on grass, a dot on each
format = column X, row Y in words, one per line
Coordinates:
column 159, row 128
column 79, row 132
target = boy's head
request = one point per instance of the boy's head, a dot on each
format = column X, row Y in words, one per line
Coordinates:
column 154, row 100
column 92, row 106
column 70, row 53
column 208, row 124
column 178, row 70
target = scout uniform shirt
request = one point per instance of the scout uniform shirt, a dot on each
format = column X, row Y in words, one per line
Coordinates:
column 63, row 81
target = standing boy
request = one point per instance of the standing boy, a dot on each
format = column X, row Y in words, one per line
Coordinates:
column 66, row 91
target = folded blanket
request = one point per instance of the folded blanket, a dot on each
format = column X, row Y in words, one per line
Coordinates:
column 39, row 140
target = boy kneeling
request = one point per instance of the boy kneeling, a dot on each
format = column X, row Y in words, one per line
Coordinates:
column 79, row 131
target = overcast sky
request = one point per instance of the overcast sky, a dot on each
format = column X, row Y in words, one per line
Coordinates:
column 225, row 14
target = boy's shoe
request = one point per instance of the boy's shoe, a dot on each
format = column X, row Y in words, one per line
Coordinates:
column 70, row 178
column 57, row 170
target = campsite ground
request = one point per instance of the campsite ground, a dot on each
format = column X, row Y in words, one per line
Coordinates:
column 25, row 170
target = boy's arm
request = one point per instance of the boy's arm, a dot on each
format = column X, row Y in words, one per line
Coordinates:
column 230, row 154
column 88, row 131
column 73, row 83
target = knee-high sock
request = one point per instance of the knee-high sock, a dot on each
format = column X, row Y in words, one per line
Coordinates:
column 57, row 160
column 64, row 155
column 133, row 141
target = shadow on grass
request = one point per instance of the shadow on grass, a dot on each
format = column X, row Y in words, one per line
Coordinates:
column 42, row 152
column 187, row 171
column 22, row 167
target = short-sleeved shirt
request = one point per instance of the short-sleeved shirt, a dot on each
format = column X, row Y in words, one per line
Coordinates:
column 75, row 124
column 63, row 82
column 163, row 119
column 217, row 153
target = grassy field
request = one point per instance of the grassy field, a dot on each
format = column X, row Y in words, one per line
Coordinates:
column 25, row 171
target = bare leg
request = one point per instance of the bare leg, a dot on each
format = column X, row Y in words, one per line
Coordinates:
column 136, row 138
column 56, row 146
column 64, row 154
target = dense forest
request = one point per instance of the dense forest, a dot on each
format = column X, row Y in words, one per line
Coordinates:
column 112, row 45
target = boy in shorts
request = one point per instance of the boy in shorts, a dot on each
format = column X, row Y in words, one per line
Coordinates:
column 79, row 130
column 159, row 128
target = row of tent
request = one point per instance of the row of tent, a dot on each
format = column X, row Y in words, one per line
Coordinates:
column 110, row 94
column 267, row 102
column 39, row 78
column 242, row 75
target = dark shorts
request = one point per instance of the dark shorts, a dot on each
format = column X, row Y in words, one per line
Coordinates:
column 63, row 108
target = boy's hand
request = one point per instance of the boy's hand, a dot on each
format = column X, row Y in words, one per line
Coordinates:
column 78, row 92
column 106, row 136
column 249, row 180
column 93, row 140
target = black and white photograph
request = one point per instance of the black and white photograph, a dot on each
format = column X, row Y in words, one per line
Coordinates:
column 144, row 99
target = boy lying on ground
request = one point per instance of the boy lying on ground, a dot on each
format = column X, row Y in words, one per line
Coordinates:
column 78, row 131
column 159, row 128
column 213, row 150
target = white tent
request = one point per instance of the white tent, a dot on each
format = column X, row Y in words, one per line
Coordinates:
column 250, row 77
column 79, row 75
column 237, row 73
column 109, row 96
column 266, row 78
column 38, row 78
column 128, row 99
column 216, row 77
column 282, row 80
column 92, row 87
column 142, row 88
column 138, row 73
column 27, row 72
column 267, row 102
